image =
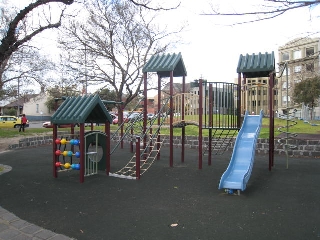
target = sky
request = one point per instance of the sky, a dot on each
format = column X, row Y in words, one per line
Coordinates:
column 211, row 47
column 215, row 46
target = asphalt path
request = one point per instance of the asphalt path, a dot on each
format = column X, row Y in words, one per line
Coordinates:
column 180, row 202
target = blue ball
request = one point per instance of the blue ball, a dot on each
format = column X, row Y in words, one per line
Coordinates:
column 77, row 166
column 77, row 154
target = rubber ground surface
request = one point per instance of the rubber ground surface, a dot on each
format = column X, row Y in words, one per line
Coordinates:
column 181, row 202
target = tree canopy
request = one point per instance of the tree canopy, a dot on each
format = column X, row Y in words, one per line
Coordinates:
column 307, row 92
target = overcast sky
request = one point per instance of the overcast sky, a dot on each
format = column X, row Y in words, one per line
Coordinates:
column 215, row 46
column 212, row 47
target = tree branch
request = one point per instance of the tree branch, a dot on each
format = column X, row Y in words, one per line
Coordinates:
column 151, row 8
column 285, row 6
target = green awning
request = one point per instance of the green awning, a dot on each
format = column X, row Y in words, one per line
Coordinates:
column 166, row 63
column 85, row 109
column 256, row 65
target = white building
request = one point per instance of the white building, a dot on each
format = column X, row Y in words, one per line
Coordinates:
column 302, row 58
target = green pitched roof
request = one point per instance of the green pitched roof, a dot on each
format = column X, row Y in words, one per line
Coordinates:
column 256, row 65
column 165, row 63
column 83, row 109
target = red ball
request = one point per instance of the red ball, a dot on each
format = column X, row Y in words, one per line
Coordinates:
column 58, row 152
column 58, row 164
column 58, row 141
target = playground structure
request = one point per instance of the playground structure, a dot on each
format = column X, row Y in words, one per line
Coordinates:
column 214, row 108
column 240, row 167
column 238, row 173
column 81, row 110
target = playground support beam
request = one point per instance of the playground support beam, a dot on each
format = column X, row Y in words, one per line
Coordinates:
column 171, row 119
column 271, row 118
column 108, row 147
column 183, row 130
column 239, row 101
column 145, row 108
column 200, row 123
column 210, row 123
column 54, row 158
column 138, row 158
column 82, row 151
column 159, row 114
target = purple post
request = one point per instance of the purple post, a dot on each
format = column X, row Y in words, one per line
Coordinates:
column 137, row 158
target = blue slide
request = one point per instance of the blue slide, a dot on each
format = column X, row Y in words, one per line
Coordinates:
column 240, row 167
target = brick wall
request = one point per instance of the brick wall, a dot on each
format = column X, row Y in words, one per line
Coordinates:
column 306, row 148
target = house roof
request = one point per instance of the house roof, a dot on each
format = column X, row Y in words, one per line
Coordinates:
column 256, row 65
column 20, row 101
column 164, row 64
column 85, row 109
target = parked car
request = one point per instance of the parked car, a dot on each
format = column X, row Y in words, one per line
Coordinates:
column 116, row 120
column 49, row 125
column 150, row 116
column 11, row 122
column 133, row 117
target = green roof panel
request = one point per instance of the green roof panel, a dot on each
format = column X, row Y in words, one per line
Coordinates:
column 85, row 109
column 256, row 65
column 165, row 63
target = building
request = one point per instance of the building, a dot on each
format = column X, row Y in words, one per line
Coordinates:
column 255, row 95
column 299, row 60
column 36, row 109
column 33, row 105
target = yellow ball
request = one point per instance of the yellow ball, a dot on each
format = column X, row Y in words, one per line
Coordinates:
column 67, row 165
column 63, row 141
column 65, row 153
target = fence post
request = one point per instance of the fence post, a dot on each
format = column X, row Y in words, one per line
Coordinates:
column 137, row 157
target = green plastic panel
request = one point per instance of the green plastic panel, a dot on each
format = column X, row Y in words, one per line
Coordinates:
column 85, row 109
column 256, row 65
column 166, row 63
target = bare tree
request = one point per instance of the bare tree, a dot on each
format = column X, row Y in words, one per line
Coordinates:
column 268, row 10
column 25, row 68
column 17, row 33
column 20, row 62
column 113, row 45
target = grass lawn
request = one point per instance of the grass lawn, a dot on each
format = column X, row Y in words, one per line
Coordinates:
column 300, row 127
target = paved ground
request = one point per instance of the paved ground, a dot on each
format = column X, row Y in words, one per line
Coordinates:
column 167, row 203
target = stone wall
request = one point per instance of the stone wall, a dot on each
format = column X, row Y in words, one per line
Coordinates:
column 306, row 148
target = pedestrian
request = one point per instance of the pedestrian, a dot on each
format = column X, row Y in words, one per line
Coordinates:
column 23, row 122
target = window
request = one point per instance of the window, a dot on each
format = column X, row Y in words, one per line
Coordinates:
column 309, row 67
column 285, row 56
column 285, row 85
column 37, row 108
column 275, row 92
column 296, row 54
column 297, row 69
column 309, row 51
column 284, row 99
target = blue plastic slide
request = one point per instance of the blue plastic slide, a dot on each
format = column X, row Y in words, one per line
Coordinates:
column 240, row 167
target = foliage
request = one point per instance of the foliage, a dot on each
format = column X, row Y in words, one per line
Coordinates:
column 307, row 92
column 57, row 93
column 10, row 112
